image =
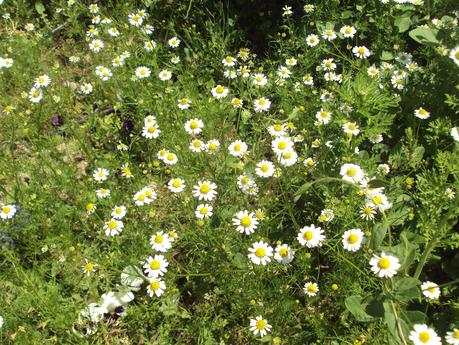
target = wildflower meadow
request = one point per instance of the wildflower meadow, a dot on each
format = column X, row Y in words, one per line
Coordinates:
column 229, row 172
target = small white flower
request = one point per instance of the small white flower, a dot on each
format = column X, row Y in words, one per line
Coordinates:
column 311, row 289
column 259, row 326
column 142, row 72
column 311, row 236
column 260, row 253
column 284, row 254
column 353, row 239
column 203, row 211
column 430, row 290
column 384, row 265
column 424, row 335
column 361, row 52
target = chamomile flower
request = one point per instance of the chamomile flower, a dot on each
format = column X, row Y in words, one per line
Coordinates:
column 351, row 173
column 281, row 145
column 348, row 31
column 176, row 185
column 237, row 102
column 328, row 64
column 238, row 148
column 205, row 190
column 125, row 170
column 259, row 326
column 151, row 131
column 245, row 222
column 328, row 35
column 260, row 253
column 96, row 45
column 88, row 267
column 173, row 42
column 259, row 79
column 156, row 266
column 361, row 52
column 351, row 128
column 278, row 130
column 42, row 81
column 160, row 242
column 197, row 145
column 326, row 215
column 149, row 193
column 156, row 287
column 311, row 289
column 90, row 208
column 104, row 73
column 421, row 113
column 212, row 146
column 283, row 72
column 219, row 92
column 367, row 211
column 384, row 265
column 454, row 55
column 113, row 227
column 265, row 169
column 291, row 61
column 309, row 8
column 93, row 8
column 149, row 45
column 118, row 212
column 35, row 95
column 100, row 174
column 142, row 72
column 424, row 335
column 309, row 162
column 165, row 75
column 372, row 71
column 379, row 201
column 229, row 61
column 261, row 104
column 449, row 193
column 284, row 254
column 312, row 40
column 184, row 103
column 244, row 181
column 288, row 158
column 113, row 32
column 430, row 290
column 452, row 337
column 148, row 29
column 353, row 239
column 117, row 61
column 135, row 19
column 203, row 211
column 86, row 88
column 175, row 59
column 7, row 211
column 311, row 236
column 323, row 116
column 170, row 158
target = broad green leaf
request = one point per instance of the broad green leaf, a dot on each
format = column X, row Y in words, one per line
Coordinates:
column 40, row 8
column 406, row 288
column 426, row 36
column 402, row 23
column 357, row 309
column 132, row 277
column 377, row 235
column 386, row 55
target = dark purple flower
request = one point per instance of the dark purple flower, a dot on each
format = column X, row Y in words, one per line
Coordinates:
column 57, row 120
column 128, row 125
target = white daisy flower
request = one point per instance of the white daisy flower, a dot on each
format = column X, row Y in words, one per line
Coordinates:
column 421, row 113
column 238, row 148
column 323, row 116
column 160, row 242
column 197, row 145
column 184, row 103
column 113, row 227
column 176, row 185
column 151, row 131
column 205, row 190
column 452, row 337
column 219, row 92
column 384, row 265
column 260, row 253
column 7, row 211
column 424, row 335
column 118, row 212
column 259, row 79
column 42, row 81
column 173, row 42
column 353, row 239
column 229, row 61
column 165, row 75
column 100, row 174
column 281, row 145
column 311, row 289
column 245, row 222
column 103, row 193
column 361, row 52
column 348, row 31
column 351, row 173
column 351, row 128
column 156, row 266
column 311, row 236
column 312, row 40
column 142, row 72
column 265, row 169
column 35, row 95
column 86, row 88
column 96, row 45
column 329, row 35
column 203, row 211
column 156, row 287
column 212, row 146
column 261, row 104
column 430, row 290
column 284, row 254
column 259, row 326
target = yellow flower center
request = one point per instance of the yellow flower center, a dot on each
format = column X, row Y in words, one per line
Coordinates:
column 118, row 211
column 197, row 143
column 219, row 89
column 432, row 289
column 246, row 221
column 287, row 155
column 377, row 199
column 361, row 51
column 277, row 127
column 261, row 324
column 351, row 172
column 261, row 102
column 203, row 210
column 351, row 126
column 204, row 189
column 424, row 337
column 159, row 239
column 264, row 168
column 212, row 146
column 260, row 252
column 353, row 238
column 148, row 193
column 155, row 265
column 237, row 147
column 170, row 157
column 245, row 180
column 89, row 207
column 154, row 285
column 384, row 263
column 324, row 114
column 112, row 225
column 282, row 145
column 141, row 197
column 308, row 235
column 456, row 332
column 176, row 183
column 312, row 288
column 347, row 30
column 283, row 252
column 41, row 80
column 151, row 129
column 229, row 59
column 89, row 266
column 184, row 101
column 193, row 125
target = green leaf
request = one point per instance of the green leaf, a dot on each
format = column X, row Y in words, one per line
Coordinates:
column 426, row 36
column 265, row 339
column 40, row 8
column 357, row 309
column 386, row 55
column 377, row 183
column 346, row 14
column 392, row 325
column 132, row 277
column 377, row 235
column 406, row 288
column 402, row 23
